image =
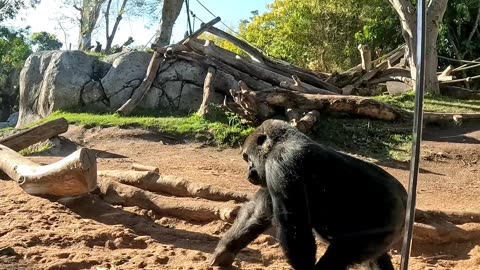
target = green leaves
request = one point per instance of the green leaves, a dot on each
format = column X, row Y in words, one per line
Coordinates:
column 322, row 34
column 46, row 41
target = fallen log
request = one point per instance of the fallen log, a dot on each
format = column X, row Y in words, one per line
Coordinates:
column 430, row 117
column 42, row 132
column 74, row 175
column 443, row 232
column 353, row 105
column 458, row 92
column 183, row 208
column 455, row 217
column 172, row 185
column 306, row 123
column 145, row 168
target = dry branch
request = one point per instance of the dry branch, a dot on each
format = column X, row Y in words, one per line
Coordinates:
column 35, row 134
column 145, row 168
column 74, row 175
column 207, row 91
column 184, row 208
column 172, row 185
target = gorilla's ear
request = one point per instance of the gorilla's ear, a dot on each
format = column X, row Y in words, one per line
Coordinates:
column 261, row 139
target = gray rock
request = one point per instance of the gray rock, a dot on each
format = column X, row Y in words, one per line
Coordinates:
column 4, row 125
column 52, row 80
column 126, row 73
column 13, row 119
column 92, row 92
column 182, row 71
column 171, row 94
column 152, row 99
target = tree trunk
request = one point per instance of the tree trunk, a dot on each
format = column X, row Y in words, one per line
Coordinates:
column 407, row 15
column 111, row 36
column 89, row 13
column 170, row 11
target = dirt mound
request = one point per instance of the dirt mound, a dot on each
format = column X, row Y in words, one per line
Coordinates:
column 88, row 233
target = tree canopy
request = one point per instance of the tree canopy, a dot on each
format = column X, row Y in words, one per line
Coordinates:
column 322, row 34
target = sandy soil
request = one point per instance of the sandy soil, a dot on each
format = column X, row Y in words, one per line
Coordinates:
column 87, row 233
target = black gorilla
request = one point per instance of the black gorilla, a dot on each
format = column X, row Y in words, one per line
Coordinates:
column 355, row 206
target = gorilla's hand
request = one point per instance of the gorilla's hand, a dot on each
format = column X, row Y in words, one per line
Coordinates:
column 222, row 257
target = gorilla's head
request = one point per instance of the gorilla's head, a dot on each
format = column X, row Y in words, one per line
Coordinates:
column 259, row 144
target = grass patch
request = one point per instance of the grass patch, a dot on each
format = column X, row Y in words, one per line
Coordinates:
column 440, row 104
column 226, row 130
column 4, row 131
column 373, row 139
column 37, row 148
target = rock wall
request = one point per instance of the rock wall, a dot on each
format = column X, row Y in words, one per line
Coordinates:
column 64, row 80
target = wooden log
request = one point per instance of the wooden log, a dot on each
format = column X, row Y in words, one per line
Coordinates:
column 138, row 94
column 443, row 232
column 74, row 175
column 297, row 85
column 455, row 217
column 370, row 74
column 207, row 91
column 458, row 92
column 145, row 168
column 366, row 55
column 184, row 208
column 250, row 68
column 353, row 105
column 286, row 70
column 253, row 52
column 172, row 185
column 44, row 131
column 306, row 123
column 219, row 65
column 430, row 117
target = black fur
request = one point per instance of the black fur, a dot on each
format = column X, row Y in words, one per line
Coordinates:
column 355, row 206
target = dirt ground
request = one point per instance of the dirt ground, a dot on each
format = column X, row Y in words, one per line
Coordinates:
column 87, row 233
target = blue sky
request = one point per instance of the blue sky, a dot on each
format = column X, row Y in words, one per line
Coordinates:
column 45, row 18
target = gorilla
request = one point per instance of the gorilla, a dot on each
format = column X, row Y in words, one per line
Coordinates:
column 353, row 205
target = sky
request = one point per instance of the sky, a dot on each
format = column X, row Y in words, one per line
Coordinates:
column 45, row 17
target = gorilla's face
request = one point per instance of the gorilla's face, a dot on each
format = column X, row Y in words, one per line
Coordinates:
column 256, row 162
column 253, row 175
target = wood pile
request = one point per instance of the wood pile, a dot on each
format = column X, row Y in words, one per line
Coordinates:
column 259, row 88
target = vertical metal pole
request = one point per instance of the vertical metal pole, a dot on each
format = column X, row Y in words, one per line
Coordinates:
column 417, row 134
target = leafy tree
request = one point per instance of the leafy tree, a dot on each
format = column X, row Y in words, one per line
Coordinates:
column 46, row 41
column 322, row 34
column 9, row 8
column 14, row 49
column 459, row 35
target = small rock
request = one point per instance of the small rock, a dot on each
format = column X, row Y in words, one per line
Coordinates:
column 8, row 251
column 162, row 260
column 13, row 119
column 142, row 264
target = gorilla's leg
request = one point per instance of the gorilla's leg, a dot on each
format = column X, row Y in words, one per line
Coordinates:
column 253, row 219
column 342, row 254
column 384, row 262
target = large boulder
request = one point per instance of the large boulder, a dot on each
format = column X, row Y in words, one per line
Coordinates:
column 62, row 80
column 52, row 81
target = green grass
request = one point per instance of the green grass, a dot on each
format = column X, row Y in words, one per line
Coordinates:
column 5, row 130
column 375, row 140
column 226, row 129
column 37, row 148
column 439, row 104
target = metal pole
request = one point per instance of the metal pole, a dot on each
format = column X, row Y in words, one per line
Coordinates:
column 417, row 134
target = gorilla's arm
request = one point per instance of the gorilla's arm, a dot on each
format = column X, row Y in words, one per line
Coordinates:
column 290, row 207
column 253, row 219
